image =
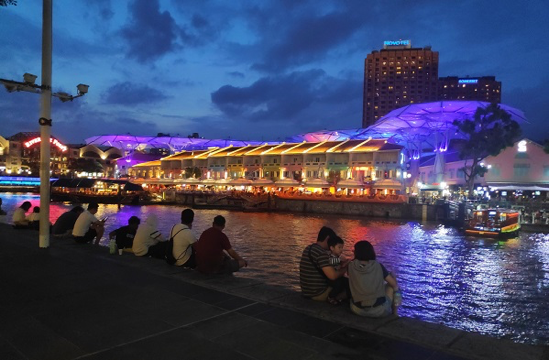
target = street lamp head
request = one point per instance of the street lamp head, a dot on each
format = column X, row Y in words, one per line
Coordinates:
column 82, row 89
column 29, row 79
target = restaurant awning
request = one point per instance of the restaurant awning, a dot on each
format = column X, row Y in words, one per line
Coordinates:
column 388, row 184
column 262, row 182
column 350, row 184
column 240, row 182
column 317, row 183
column 222, row 182
column 287, row 183
column 208, row 182
column 526, row 187
column 190, row 181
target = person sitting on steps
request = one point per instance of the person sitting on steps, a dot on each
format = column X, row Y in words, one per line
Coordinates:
column 87, row 226
column 19, row 217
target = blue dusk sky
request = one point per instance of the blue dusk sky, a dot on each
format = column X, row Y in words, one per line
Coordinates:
column 255, row 70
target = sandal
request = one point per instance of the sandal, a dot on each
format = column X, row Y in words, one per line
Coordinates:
column 333, row 301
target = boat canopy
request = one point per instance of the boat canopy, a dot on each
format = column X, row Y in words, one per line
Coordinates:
column 89, row 183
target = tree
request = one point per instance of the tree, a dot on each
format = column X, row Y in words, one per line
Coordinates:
column 546, row 146
column 334, row 177
column 188, row 172
column 193, row 172
column 489, row 132
column 8, row 2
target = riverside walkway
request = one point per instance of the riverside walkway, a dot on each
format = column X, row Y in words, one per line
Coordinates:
column 74, row 301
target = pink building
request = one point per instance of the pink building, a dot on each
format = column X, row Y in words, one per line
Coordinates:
column 524, row 166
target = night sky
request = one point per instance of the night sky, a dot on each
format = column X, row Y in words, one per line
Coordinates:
column 255, row 70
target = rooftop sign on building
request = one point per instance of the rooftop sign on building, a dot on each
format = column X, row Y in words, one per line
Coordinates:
column 467, row 81
column 53, row 141
column 402, row 44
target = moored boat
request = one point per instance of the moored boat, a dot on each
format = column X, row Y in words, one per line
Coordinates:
column 500, row 223
column 103, row 191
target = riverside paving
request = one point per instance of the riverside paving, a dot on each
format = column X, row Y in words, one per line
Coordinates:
column 74, row 301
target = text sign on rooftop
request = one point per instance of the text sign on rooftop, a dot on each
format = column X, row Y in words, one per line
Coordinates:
column 53, row 141
column 467, row 81
column 400, row 43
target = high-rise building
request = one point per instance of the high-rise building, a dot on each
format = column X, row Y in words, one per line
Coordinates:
column 484, row 88
column 398, row 75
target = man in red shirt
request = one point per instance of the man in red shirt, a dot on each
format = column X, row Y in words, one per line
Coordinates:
column 210, row 257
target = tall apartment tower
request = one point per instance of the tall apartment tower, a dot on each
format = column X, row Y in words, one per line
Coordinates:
column 398, row 75
column 484, row 88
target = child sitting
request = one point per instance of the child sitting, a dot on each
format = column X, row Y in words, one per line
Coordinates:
column 34, row 218
column 337, row 259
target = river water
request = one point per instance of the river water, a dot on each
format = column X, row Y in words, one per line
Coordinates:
column 500, row 288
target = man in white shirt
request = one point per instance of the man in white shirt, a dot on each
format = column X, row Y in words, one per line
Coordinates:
column 87, row 226
column 148, row 241
column 19, row 215
column 183, row 239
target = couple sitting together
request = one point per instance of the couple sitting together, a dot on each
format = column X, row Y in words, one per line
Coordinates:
column 369, row 286
column 212, row 253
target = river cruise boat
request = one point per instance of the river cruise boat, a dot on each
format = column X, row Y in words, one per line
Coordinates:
column 102, row 191
column 497, row 223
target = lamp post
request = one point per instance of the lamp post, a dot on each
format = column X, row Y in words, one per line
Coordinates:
column 45, row 116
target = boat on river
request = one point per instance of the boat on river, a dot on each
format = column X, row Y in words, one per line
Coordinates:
column 102, row 191
column 497, row 223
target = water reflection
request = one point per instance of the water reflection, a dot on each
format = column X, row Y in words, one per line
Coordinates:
column 488, row 286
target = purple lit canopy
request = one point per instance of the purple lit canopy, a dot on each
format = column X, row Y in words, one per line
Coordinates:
column 174, row 144
column 415, row 125
column 429, row 118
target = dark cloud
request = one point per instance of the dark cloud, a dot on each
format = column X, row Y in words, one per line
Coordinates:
column 199, row 22
column 270, row 97
column 302, row 99
column 127, row 93
column 150, row 33
column 198, row 31
column 308, row 40
column 24, row 40
column 237, row 74
column 103, row 8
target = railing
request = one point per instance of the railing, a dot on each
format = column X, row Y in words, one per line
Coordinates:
column 341, row 197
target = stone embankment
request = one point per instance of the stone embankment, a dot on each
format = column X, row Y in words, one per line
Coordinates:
column 74, row 301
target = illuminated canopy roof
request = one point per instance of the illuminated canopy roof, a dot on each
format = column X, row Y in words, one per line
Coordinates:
column 174, row 144
column 414, row 122
column 413, row 126
column 429, row 118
